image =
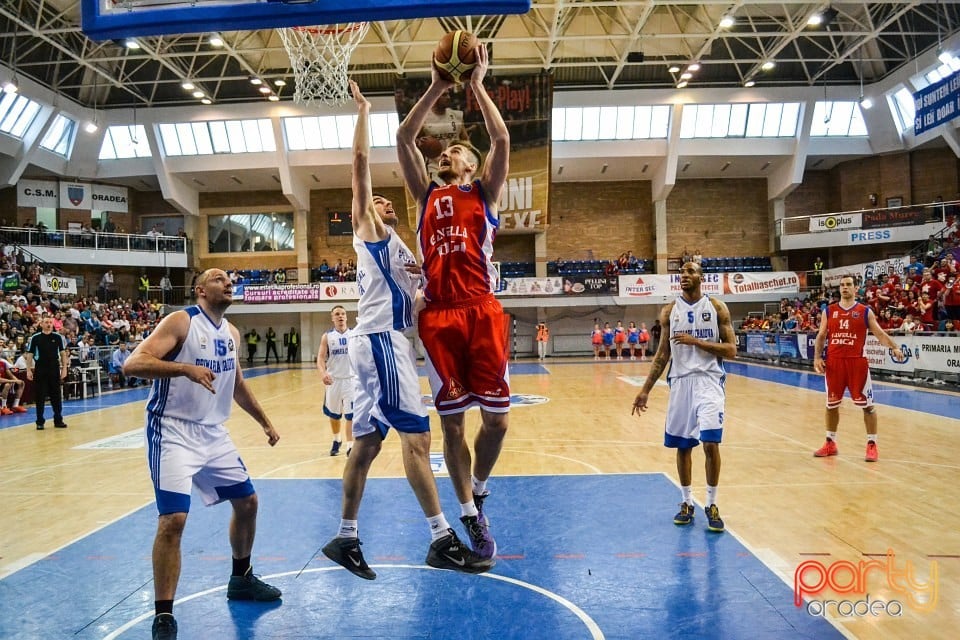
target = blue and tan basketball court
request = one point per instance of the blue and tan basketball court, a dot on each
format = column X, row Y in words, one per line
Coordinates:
column 582, row 510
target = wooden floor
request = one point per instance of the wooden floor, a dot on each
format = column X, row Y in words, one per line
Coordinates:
column 784, row 505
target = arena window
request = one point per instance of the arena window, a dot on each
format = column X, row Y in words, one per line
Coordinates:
column 60, row 136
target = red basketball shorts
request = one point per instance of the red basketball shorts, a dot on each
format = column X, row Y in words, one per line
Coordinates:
column 852, row 374
column 467, row 355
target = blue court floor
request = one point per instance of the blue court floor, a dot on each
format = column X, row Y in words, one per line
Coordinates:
column 581, row 557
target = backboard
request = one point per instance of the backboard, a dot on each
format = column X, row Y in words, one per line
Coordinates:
column 115, row 19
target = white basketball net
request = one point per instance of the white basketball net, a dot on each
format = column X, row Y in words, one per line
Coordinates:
column 319, row 56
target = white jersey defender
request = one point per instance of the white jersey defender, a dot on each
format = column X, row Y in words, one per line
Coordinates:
column 380, row 351
column 696, row 405
column 187, row 443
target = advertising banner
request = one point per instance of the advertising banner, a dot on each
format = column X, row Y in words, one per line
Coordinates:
column 937, row 104
column 653, row 285
column 56, row 284
column 584, row 285
column 834, row 222
column 761, row 282
column 894, row 218
column 312, row 292
column 531, row 286
column 75, row 195
column 935, row 353
column 38, row 193
column 875, row 270
column 525, row 102
column 105, row 197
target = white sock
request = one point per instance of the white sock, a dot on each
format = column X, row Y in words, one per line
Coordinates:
column 687, row 494
column 832, row 435
column 16, row 402
column 872, row 437
column 438, row 526
column 468, row 509
column 348, row 529
column 711, row 495
column 479, row 486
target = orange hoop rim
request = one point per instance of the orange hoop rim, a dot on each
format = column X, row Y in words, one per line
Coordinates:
column 332, row 31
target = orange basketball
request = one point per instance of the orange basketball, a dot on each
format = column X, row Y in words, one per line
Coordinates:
column 456, row 55
column 429, row 146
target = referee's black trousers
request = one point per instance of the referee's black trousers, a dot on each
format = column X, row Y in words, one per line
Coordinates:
column 47, row 385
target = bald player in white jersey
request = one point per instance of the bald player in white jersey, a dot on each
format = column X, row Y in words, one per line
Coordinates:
column 192, row 359
column 700, row 336
column 388, row 388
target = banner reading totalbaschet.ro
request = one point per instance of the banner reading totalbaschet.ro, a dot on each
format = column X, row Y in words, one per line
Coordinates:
column 525, row 102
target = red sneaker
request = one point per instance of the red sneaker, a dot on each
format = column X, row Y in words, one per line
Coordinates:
column 19, row 409
column 872, row 453
column 5, row 412
column 829, row 448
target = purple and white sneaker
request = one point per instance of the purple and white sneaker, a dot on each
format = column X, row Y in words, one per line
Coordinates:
column 478, row 530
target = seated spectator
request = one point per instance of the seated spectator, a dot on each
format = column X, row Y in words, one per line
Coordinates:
column 116, row 367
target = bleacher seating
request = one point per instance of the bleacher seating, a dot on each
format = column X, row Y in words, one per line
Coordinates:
column 593, row 268
column 741, row 263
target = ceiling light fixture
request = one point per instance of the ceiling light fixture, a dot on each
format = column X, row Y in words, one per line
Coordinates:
column 823, row 18
column 215, row 41
column 188, row 86
column 686, row 75
column 273, row 98
column 674, row 69
column 131, row 43
column 694, row 66
column 10, row 86
column 198, row 94
column 768, row 65
column 206, row 101
column 681, row 84
column 265, row 89
column 254, row 80
column 749, row 83
column 280, row 82
column 726, row 22
column 92, row 126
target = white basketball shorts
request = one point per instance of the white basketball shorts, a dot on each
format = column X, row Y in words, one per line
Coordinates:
column 182, row 454
column 338, row 398
column 388, row 388
column 694, row 411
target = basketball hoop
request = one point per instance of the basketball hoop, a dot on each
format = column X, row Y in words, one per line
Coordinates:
column 319, row 56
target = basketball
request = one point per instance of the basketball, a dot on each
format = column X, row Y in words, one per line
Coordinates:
column 456, row 55
column 429, row 146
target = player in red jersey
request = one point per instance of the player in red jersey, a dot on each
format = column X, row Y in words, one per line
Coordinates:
column 843, row 328
column 462, row 326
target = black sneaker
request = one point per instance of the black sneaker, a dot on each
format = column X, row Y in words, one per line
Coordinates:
column 164, row 627
column 335, row 448
column 449, row 553
column 60, row 425
column 39, row 426
column 346, row 553
column 714, row 521
column 685, row 515
column 250, row 587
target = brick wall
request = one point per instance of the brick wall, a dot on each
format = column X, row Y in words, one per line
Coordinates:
column 933, row 173
column 811, row 198
column 718, row 217
column 600, row 220
column 887, row 176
